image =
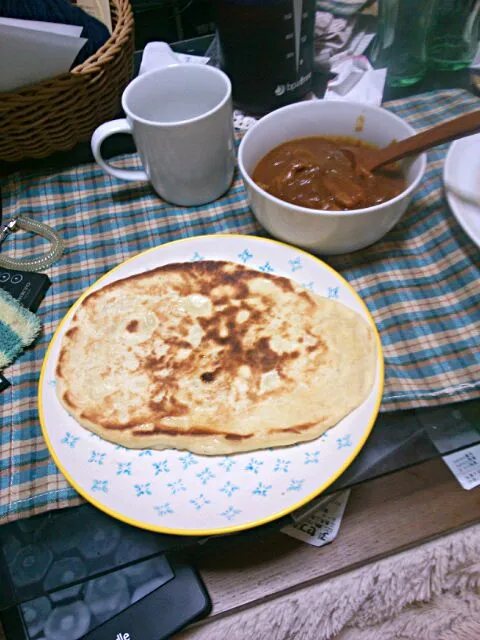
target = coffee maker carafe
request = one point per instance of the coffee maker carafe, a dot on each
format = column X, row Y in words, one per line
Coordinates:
column 266, row 48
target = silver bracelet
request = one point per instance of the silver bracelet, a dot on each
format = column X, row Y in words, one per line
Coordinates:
column 57, row 246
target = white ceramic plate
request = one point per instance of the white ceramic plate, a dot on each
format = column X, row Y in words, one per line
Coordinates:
column 180, row 493
column 461, row 176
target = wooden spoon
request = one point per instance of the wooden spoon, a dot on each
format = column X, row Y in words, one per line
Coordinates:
column 370, row 159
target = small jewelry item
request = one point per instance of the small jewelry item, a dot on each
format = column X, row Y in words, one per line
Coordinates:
column 57, row 246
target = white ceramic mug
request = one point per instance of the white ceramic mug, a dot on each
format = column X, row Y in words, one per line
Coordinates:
column 181, row 119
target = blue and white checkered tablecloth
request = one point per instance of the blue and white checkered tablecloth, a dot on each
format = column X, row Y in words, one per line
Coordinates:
column 421, row 283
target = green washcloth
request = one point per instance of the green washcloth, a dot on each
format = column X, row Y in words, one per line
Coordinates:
column 18, row 328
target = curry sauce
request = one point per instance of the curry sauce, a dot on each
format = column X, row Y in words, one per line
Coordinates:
column 321, row 173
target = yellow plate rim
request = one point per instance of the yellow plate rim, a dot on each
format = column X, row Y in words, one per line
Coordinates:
column 246, row 525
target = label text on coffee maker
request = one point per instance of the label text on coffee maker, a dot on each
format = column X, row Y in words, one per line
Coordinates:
column 291, row 86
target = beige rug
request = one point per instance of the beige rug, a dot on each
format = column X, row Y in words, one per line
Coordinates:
column 431, row 592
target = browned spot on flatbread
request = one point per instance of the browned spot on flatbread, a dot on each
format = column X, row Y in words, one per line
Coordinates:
column 319, row 346
column 298, row 428
column 168, row 406
column 132, row 326
column 307, row 297
column 58, row 369
column 67, row 399
column 208, row 376
column 263, row 356
column 238, row 436
column 177, row 342
column 194, row 431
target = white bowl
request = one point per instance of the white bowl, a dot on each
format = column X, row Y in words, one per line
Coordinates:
column 326, row 232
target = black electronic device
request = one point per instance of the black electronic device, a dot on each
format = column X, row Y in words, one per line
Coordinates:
column 79, row 574
column 27, row 287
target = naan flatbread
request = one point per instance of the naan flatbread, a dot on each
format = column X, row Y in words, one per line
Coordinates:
column 213, row 357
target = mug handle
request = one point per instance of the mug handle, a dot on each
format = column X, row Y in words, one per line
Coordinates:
column 99, row 135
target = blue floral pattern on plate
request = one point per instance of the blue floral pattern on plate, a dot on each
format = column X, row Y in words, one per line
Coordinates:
column 174, row 490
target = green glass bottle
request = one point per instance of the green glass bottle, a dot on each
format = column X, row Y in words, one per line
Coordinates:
column 400, row 41
column 453, row 34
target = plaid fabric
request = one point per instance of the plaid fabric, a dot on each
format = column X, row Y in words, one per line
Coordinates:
column 421, row 282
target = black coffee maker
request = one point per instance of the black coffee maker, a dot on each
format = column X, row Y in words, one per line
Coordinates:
column 266, row 48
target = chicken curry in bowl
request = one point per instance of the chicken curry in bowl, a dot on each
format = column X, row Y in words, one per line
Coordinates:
column 320, row 172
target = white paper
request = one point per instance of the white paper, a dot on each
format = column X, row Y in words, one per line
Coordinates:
column 310, row 508
column 50, row 27
column 321, row 526
column 465, row 466
column 28, row 56
column 360, row 42
column 356, row 81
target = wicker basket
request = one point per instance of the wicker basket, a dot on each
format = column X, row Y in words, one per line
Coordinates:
column 56, row 114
